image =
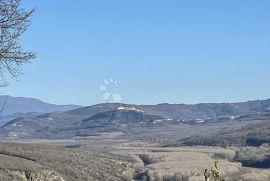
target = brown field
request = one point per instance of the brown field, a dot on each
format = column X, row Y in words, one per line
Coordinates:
column 103, row 157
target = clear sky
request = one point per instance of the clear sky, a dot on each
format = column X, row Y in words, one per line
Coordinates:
column 157, row 50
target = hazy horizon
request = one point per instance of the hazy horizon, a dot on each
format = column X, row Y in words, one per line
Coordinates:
column 157, row 52
column 128, row 103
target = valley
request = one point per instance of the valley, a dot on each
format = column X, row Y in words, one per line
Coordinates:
column 139, row 142
column 107, row 158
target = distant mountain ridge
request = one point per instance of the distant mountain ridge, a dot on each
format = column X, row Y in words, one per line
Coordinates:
column 16, row 105
column 121, row 117
column 187, row 111
column 206, row 110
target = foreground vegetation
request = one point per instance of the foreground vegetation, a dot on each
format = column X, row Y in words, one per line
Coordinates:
column 25, row 161
column 189, row 164
column 113, row 160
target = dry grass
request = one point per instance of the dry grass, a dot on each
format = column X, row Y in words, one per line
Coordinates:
column 151, row 161
column 71, row 164
column 189, row 163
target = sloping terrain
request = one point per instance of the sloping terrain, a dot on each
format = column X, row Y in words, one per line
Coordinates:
column 250, row 135
column 188, row 112
column 162, row 121
column 20, row 169
column 189, row 163
column 46, row 125
column 4, row 119
column 52, row 163
column 20, row 107
column 68, row 125
column 122, row 119
column 206, row 111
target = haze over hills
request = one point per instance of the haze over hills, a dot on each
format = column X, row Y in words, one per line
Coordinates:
column 250, row 135
column 131, row 119
column 119, row 128
column 184, row 111
column 206, row 110
column 26, row 105
column 15, row 107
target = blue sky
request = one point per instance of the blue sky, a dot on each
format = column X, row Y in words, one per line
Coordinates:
column 158, row 51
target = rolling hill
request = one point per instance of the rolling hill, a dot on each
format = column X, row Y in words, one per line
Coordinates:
column 255, row 134
column 133, row 119
column 18, row 107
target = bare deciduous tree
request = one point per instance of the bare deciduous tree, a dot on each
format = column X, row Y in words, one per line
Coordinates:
column 14, row 21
